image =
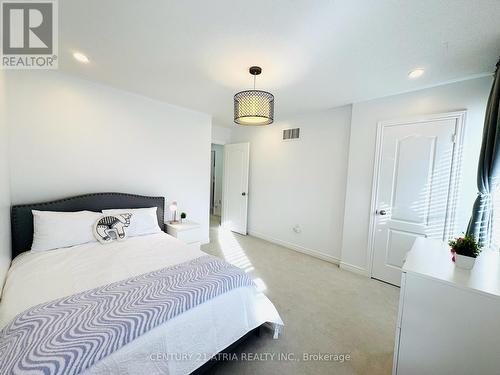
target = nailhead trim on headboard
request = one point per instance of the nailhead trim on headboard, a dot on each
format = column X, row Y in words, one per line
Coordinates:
column 22, row 218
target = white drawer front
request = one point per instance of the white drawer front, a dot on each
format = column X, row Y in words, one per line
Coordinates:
column 190, row 236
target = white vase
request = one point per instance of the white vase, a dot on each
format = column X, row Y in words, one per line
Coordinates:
column 465, row 262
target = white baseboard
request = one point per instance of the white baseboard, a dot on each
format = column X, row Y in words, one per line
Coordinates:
column 300, row 249
column 352, row 268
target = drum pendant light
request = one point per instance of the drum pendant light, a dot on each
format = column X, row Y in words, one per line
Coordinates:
column 254, row 107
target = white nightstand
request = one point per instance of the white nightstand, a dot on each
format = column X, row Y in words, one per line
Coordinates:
column 188, row 232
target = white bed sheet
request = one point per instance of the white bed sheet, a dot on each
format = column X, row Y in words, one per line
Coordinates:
column 178, row 346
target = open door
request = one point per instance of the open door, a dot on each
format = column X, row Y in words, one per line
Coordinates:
column 235, row 196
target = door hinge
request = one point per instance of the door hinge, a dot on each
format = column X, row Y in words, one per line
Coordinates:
column 454, row 138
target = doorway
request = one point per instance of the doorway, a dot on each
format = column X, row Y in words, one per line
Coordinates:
column 414, row 188
column 216, row 185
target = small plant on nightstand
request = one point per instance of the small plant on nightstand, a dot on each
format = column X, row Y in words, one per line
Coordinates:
column 465, row 251
column 183, row 216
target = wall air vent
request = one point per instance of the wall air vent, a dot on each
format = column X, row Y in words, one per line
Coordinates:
column 291, row 134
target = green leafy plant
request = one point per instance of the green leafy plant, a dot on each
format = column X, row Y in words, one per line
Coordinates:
column 466, row 245
column 183, row 215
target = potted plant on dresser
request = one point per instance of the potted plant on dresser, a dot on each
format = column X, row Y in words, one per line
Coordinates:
column 465, row 251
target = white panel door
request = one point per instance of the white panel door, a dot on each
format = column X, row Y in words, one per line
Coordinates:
column 235, row 196
column 412, row 200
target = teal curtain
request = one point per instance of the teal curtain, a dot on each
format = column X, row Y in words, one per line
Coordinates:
column 481, row 223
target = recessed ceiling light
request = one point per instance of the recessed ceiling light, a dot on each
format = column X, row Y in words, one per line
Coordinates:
column 81, row 57
column 415, row 73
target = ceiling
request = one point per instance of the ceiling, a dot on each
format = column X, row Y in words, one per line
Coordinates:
column 314, row 54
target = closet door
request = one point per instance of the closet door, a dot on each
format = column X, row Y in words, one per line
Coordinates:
column 416, row 162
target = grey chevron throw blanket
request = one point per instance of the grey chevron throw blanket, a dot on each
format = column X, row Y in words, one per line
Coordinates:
column 68, row 335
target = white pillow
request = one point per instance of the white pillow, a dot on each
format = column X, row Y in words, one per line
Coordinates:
column 53, row 230
column 143, row 220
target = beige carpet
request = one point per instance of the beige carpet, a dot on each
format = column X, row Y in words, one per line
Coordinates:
column 325, row 310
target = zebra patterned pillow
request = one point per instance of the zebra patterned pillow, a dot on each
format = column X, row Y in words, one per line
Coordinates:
column 112, row 227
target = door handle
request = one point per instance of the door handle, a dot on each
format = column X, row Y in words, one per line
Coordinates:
column 243, row 193
column 382, row 212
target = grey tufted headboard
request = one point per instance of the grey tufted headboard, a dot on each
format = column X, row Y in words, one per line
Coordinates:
column 22, row 218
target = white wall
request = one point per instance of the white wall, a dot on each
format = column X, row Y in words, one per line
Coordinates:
column 221, row 135
column 470, row 95
column 69, row 136
column 299, row 182
column 5, row 252
column 219, row 165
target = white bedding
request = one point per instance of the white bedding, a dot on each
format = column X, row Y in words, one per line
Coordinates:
column 177, row 347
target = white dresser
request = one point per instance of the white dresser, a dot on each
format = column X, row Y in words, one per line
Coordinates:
column 449, row 318
column 188, row 232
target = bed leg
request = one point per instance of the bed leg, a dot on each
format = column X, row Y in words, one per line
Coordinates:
column 277, row 332
column 266, row 327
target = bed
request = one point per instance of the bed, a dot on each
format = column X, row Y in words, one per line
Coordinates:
column 149, row 304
